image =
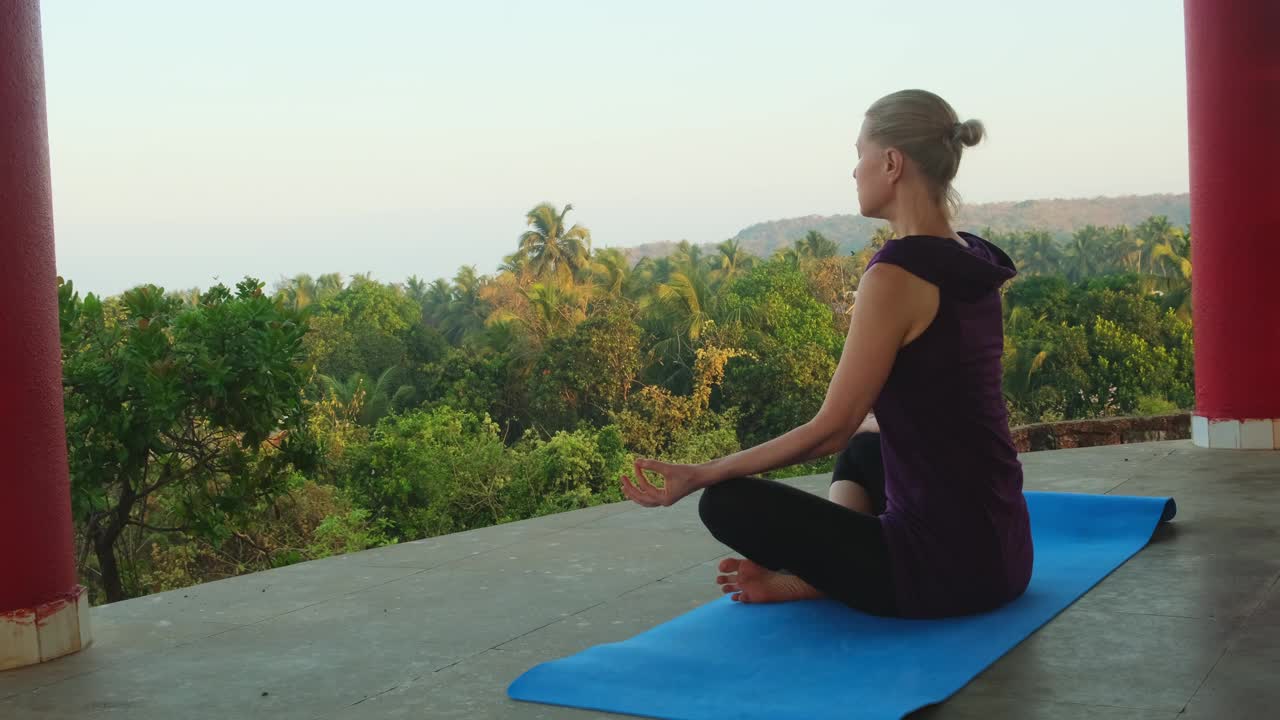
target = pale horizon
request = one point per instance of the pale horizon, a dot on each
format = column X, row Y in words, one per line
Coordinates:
column 193, row 143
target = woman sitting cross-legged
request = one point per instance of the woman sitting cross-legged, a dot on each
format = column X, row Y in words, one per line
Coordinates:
column 925, row 515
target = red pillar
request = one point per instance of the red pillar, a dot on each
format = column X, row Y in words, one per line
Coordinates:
column 37, row 564
column 1233, row 102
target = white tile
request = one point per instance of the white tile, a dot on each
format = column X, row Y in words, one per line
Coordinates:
column 82, row 616
column 1256, row 435
column 1200, row 430
column 1224, row 434
column 58, row 624
column 19, row 640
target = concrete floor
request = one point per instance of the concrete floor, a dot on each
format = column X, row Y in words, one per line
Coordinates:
column 1188, row 628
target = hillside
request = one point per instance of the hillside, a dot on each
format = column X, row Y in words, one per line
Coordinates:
column 1059, row 216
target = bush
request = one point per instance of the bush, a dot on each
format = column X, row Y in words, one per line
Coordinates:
column 659, row 424
column 431, row 472
column 713, row 436
column 568, row 471
column 309, row 522
column 1152, row 405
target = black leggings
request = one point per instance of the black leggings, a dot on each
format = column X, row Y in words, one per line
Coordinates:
column 839, row 551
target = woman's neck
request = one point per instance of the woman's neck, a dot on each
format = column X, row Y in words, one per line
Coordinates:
column 923, row 218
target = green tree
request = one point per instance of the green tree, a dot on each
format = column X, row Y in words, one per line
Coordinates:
column 569, row 470
column 467, row 308
column 363, row 328
column 815, row 246
column 683, row 428
column 1101, row 347
column 1041, row 253
column 611, row 273
column 1046, row 370
column 554, row 252
column 793, row 346
column 298, row 292
column 1088, row 253
column 368, row 399
column 882, row 235
column 862, row 258
column 477, row 383
column 732, row 260
column 431, row 472
column 191, row 401
column 586, row 376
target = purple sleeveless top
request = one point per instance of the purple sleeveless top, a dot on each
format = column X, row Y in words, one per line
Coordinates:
column 955, row 520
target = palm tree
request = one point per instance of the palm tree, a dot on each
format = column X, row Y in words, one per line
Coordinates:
column 436, row 302
column 298, row 291
column 1124, row 250
column 190, row 296
column 467, row 308
column 516, row 264
column 327, row 286
column 687, row 300
column 788, row 256
column 546, row 309
column 610, row 272
column 882, row 235
column 1174, row 260
column 732, row 260
column 555, row 310
column 1152, row 233
column 1086, row 253
column 862, row 257
column 370, row 400
column 416, row 288
column 1041, row 253
column 815, row 246
column 1020, row 374
column 1170, row 257
column 552, row 250
column 652, row 272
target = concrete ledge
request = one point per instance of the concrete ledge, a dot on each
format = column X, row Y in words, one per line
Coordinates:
column 34, row 635
column 1101, row 431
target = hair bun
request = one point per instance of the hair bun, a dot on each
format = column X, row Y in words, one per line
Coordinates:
column 968, row 133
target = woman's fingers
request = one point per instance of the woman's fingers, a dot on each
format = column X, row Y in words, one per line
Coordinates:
column 644, row 492
column 636, row 494
column 644, row 481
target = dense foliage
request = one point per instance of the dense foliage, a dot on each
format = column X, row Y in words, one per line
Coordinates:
column 219, row 432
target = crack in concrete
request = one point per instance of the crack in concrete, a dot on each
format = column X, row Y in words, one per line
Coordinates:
column 378, row 694
column 553, row 622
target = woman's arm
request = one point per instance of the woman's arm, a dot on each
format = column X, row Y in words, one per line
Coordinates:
column 891, row 301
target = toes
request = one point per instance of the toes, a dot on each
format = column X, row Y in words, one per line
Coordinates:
column 746, row 566
column 729, row 587
column 729, row 565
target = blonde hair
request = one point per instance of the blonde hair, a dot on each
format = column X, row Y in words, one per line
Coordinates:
column 927, row 130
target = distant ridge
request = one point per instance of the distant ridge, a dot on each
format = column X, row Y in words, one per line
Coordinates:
column 1059, row 216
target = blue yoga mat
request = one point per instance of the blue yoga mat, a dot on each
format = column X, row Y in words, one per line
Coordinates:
column 818, row 658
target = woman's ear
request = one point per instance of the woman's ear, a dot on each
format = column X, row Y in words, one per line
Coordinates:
column 894, row 162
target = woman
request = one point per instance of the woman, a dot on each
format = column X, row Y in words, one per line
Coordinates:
column 925, row 516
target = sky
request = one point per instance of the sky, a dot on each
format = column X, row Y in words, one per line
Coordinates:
column 196, row 142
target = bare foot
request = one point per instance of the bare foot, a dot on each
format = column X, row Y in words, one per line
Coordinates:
column 754, row 583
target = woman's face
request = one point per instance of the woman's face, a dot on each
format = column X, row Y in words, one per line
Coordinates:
column 871, row 176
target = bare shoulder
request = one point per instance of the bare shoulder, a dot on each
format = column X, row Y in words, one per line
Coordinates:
column 884, row 281
column 889, row 291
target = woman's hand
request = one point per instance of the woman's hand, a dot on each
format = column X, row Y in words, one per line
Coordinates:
column 678, row 481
